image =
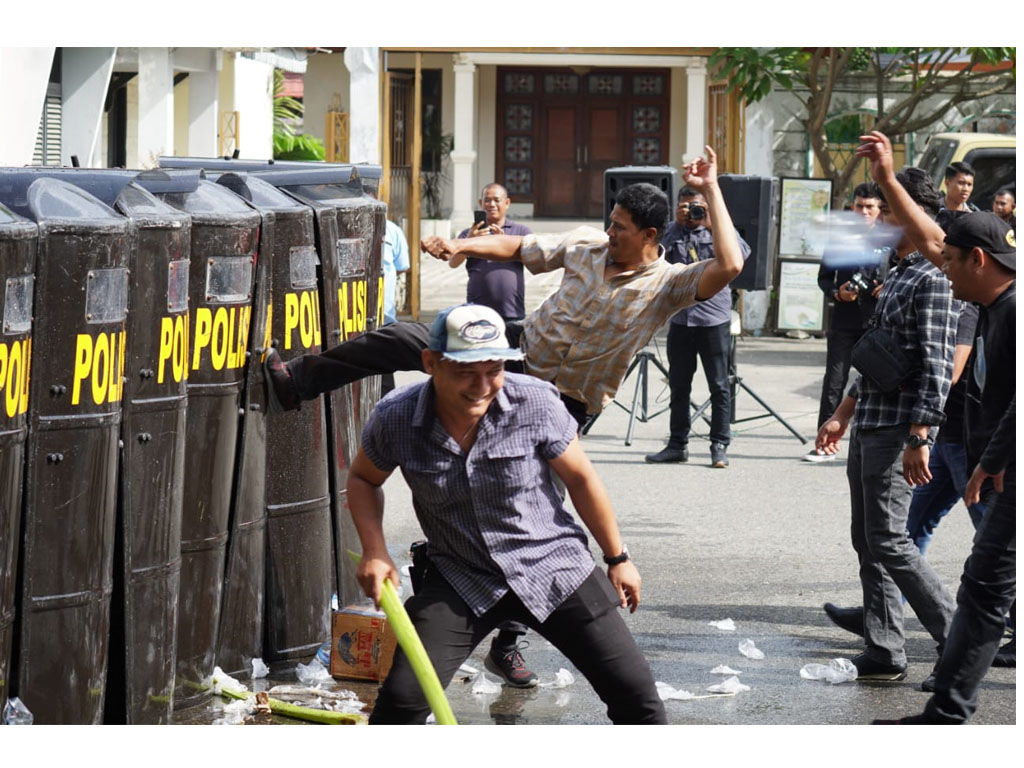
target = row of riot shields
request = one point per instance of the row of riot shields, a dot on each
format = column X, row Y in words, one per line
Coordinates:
column 155, row 519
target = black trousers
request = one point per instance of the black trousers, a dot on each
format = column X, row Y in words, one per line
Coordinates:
column 988, row 588
column 684, row 345
column 838, row 351
column 586, row 627
column 395, row 347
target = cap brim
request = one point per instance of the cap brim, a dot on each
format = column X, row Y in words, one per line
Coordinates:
column 481, row 355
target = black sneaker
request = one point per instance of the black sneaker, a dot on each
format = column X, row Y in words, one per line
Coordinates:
column 668, row 455
column 281, row 394
column 850, row 619
column 718, row 458
column 928, row 684
column 869, row 669
column 510, row 666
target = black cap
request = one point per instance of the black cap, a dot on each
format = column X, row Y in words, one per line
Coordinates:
column 985, row 230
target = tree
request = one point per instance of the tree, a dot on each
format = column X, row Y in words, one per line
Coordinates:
column 288, row 144
column 907, row 77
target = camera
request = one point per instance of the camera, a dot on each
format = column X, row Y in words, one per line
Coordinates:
column 862, row 283
column 697, row 211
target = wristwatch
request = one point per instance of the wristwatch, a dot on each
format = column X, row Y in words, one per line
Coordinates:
column 618, row 558
column 913, row 441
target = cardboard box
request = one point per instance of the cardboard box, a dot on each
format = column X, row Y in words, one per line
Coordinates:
column 362, row 643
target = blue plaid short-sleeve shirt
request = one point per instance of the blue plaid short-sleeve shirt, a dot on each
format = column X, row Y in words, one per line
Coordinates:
column 494, row 518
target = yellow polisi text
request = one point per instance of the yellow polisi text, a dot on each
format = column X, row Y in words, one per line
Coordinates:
column 14, row 369
column 352, row 308
column 174, row 340
column 302, row 315
column 225, row 332
column 99, row 367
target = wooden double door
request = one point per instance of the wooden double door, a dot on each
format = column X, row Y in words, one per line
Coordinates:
column 559, row 129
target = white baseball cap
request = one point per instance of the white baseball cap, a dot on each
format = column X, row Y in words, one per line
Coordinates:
column 470, row 333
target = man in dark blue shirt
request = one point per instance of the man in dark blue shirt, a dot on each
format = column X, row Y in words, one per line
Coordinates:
column 480, row 449
column 496, row 284
column 702, row 329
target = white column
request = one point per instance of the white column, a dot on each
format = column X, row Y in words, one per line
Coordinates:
column 364, row 105
column 696, row 111
column 24, row 74
column 156, row 107
column 86, row 75
column 464, row 152
column 203, row 111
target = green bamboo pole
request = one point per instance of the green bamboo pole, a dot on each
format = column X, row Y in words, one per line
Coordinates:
column 302, row 713
column 405, row 633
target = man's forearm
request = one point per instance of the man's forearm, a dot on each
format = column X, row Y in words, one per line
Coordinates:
column 490, row 247
column 366, row 503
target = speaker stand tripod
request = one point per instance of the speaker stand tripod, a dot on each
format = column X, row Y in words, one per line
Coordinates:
column 638, row 410
column 735, row 380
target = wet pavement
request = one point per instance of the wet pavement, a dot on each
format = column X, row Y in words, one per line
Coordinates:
column 764, row 542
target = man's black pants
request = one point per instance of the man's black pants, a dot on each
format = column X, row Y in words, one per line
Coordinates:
column 394, row 347
column 838, row 352
column 586, row 627
column 712, row 344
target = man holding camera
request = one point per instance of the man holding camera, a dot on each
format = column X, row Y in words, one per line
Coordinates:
column 496, row 284
column 891, row 441
column 854, row 293
column 703, row 330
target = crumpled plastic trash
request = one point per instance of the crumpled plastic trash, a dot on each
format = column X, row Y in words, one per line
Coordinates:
column 431, row 720
column 314, row 672
column 16, row 713
column 727, row 624
column 235, row 712
column 259, row 669
column 725, row 669
column 836, row 671
column 748, row 649
column 221, row 681
column 563, row 679
column 730, row 685
column 666, row 691
column 482, row 685
column 468, row 670
column 318, row 698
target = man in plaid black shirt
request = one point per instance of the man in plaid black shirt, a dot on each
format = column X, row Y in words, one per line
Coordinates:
column 889, row 450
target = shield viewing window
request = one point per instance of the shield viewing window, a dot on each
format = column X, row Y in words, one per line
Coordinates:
column 228, row 279
column 18, row 304
column 106, row 295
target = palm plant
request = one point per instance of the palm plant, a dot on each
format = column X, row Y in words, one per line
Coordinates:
column 288, row 143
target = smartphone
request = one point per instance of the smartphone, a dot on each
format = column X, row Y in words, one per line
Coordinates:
column 479, row 216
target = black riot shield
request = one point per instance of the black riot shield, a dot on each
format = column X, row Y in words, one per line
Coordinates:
column 147, row 549
column 223, row 253
column 70, row 490
column 18, row 239
column 299, row 569
column 347, row 241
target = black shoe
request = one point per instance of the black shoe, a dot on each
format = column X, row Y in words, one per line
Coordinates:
column 718, row 458
column 869, row 669
column 928, row 684
column 510, row 667
column 1007, row 655
column 668, row 455
column 850, row 619
column 281, row 394
column 908, row 720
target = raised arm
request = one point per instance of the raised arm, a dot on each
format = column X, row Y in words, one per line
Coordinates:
column 595, row 509
column 366, row 502
column 922, row 230
column 702, row 175
column 490, row 247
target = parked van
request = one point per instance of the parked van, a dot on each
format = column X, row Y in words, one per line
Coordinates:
column 992, row 155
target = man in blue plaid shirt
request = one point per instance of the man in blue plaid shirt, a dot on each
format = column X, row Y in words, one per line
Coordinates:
column 889, row 449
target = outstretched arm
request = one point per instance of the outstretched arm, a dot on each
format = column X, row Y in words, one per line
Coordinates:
column 595, row 509
column 702, row 175
column 926, row 235
column 490, row 247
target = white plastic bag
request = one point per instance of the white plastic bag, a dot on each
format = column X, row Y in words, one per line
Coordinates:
column 748, row 649
column 725, row 669
column 727, row 624
column 314, row 672
column 836, row 671
column 259, row 669
column 563, row 679
column 481, row 685
column 221, row 681
column 666, row 691
column 731, row 685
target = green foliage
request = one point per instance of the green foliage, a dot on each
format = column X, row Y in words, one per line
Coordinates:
column 437, row 146
column 288, row 144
